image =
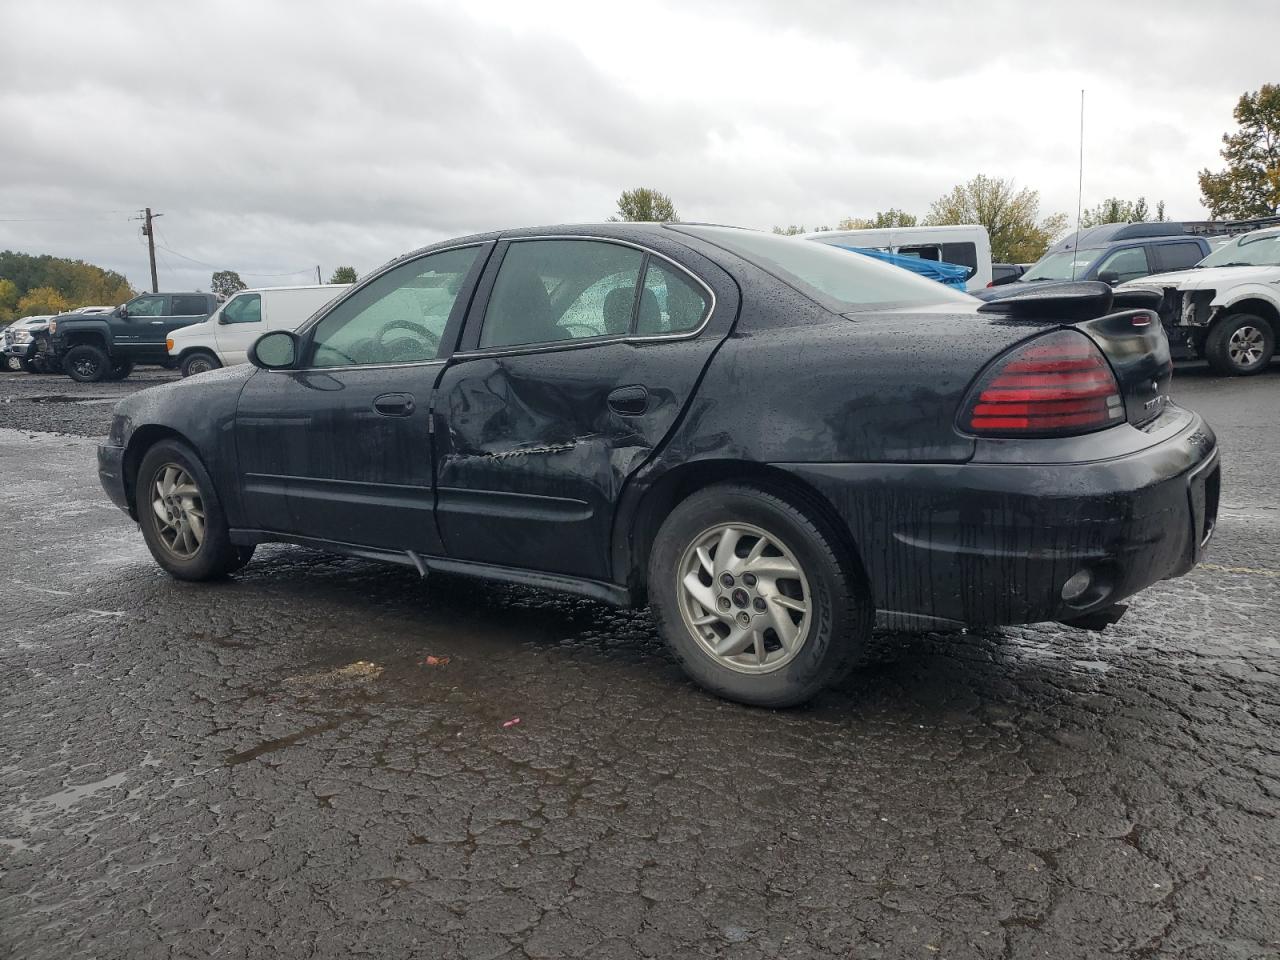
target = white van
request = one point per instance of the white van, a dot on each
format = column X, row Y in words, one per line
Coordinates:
column 225, row 337
column 966, row 246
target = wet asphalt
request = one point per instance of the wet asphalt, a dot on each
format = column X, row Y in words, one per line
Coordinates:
column 318, row 758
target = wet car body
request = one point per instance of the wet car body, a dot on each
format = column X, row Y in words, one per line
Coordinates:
column 555, row 464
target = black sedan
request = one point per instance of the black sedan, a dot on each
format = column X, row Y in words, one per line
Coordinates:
column 772, row 442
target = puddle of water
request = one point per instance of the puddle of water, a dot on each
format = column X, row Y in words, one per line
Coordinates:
column 65, row 799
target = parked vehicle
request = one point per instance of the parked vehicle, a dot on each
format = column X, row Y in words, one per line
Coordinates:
column 1002, row 273
column 1113, row 253
column 765, row 439
column 964, row 246
column 93, row 347
column 225, row 338
column 19, row 343
column 1225, row 309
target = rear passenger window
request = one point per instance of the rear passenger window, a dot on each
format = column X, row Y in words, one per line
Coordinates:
column 552, row 290
column 1179, row 256
column 190, row 307
column 670, row 302
column 246, row 308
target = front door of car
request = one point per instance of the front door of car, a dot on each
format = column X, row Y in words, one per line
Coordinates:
column 577, row 360
column 338, row 448
column 239, row 324
column 138, row 334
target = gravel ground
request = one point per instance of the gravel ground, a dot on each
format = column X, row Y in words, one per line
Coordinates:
column 272, row 766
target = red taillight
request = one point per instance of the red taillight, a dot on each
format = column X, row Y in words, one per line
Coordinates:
column 1056, row 385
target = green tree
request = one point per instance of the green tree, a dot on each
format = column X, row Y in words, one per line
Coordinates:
column 645, row 205
column 9, row 297
column 1011, row 216
column 790, row 231
column 1250, row 186
column 226, row 282
column 893, row 217
column 79, row 283
column 41, row 301
column 1115, row 210
column 344, row 275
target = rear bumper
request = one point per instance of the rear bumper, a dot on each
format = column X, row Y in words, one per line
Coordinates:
column 994, row 543
column 111, row 474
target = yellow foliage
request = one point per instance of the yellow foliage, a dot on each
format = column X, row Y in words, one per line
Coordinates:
column 40, row 301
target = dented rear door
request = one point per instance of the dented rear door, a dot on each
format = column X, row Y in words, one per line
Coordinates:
column 535, row 441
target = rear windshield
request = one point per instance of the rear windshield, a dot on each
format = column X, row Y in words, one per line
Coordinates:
column 1067, row 265
column 840, row 280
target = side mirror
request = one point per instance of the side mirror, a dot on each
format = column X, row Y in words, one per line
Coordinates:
column 122, row 311
column 1109, row 276
column 277, row 350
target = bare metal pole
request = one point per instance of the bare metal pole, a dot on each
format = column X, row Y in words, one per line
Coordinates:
column 1079, row 188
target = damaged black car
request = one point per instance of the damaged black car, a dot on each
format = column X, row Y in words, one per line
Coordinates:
column 776, row 444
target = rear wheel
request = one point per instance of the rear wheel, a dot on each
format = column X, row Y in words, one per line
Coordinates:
column 181, row 516
column 1240, row 344
column 756, row 597
column 201, row 361
column 86, row 363
column 120, row 369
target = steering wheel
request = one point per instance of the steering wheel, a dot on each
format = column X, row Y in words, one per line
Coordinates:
column 419, row 344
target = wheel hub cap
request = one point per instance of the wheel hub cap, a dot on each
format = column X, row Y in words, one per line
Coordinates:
column 744, row 597
column 177, row 504
column 1245, row 346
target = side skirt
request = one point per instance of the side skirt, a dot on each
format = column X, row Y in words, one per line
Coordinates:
column 609, row 593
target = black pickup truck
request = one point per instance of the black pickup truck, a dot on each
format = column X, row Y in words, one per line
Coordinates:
column 106, row 346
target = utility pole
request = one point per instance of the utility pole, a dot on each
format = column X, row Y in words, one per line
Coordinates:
column 318, row 280
column 150, row 234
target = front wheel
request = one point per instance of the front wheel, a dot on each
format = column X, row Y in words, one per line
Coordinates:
column 181, row 516
column 1240, row 344
column 86, row 364
column 199, row 362
column 14, row 363
column 756, row 597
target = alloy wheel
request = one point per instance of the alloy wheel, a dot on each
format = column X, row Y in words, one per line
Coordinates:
column 177, row 504
column 86, row 367
column 744, row 597
column 1245, row 346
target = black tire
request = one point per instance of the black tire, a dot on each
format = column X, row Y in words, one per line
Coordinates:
column 215, row 555
column 120, row 369
column 30, row 366
column 86, row 364
column 840, row 612
column 1226, row 346
column 199, row 361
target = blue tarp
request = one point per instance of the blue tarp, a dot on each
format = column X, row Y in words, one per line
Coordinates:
column 945, row 273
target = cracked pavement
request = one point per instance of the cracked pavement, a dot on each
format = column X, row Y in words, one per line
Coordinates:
column 270, row 766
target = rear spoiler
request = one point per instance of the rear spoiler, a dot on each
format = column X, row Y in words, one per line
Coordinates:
column 1070, row 301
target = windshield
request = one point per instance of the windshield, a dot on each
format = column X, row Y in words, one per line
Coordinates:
column 840, row 280
column 1250, row 250
column 1059, row 266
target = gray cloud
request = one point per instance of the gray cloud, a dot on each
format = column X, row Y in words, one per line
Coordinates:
column 276, row 136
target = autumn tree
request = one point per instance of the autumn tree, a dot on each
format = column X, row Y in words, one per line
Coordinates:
column 789, row 231
column 224, row 283
column 9, row 297
column 645, row 205
column 1011, row 216
column 884, row 219
column 1115, row 210
column 78, row 283
column 344, row 275
column 1250, row 186
column 42, row 301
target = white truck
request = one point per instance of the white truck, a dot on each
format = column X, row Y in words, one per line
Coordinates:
column 1226, row 308
column 223, row 340
column 965, row 245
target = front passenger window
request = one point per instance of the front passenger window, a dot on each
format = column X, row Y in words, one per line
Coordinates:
column 398, row 318
column 146, row 307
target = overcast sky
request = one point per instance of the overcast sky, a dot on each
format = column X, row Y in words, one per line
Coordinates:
column 278, row 136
